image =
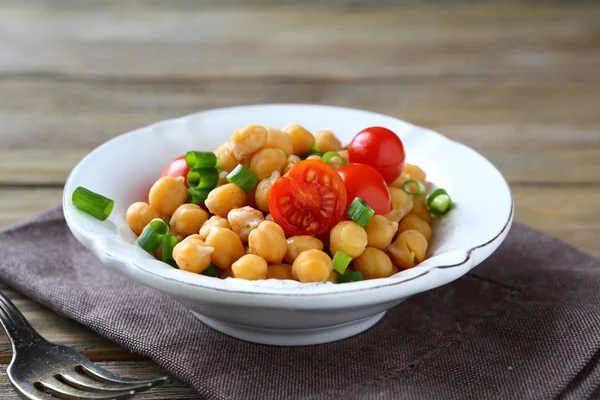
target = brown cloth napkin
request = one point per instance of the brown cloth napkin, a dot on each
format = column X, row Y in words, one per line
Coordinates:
column 523, row 325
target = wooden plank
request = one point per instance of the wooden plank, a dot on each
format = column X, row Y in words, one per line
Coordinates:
column 173, row 389
column 291, row 40
column 568, row 212
column 533, row 129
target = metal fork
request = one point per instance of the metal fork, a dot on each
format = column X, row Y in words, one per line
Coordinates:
column 43, row 370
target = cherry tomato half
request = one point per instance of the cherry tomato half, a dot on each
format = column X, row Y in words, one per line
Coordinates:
column 364, row 181
column 177, row 167
column 309, row 200
column 380, row 148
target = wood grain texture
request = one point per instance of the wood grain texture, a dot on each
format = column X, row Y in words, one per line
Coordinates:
column 518, row 81
column 287, row 40
column 532, row 129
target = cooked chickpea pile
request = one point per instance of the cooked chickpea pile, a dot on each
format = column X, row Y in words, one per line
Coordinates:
column 235, row 231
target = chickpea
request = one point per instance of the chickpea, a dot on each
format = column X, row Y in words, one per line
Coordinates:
column 332, row 277
column 225, row 198
column 298, row 244
column 374, row 263
column 314, row 157
column 402, row 204
column 344, row 153
column 228, row 273
column 277, row 139
column 380, row 231
column 421, row 209
column 193, row 237
column 223, row 178
column 302, row 139
column 280, row 271
column 167, row 194
column 395, row 269
column 228, row 247
column 139, row 215
column 214, row 222
column 268, row 241
column 326, row 141
column 226, row 159
column 244, row 220
column 250, row 267
column 192, row 255
column 312, row 266
column 408, row 249
column 291, row 161
column 413, row 221
column 349, row 237
column 410, row 172
column 264, row 162
column 248, row 140
column 188, row 219
column 269, row 217
column 262, row 191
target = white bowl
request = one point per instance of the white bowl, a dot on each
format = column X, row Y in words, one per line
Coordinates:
column 286, row 312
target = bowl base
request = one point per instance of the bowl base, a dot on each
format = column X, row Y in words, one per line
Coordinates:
column 292, row 337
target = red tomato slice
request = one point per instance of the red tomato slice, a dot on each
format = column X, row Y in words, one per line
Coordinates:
column 309, row 200
column 364, row 181
column 380, row 148
column 177, row 167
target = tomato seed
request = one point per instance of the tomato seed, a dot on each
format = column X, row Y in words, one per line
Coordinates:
column 313, row 225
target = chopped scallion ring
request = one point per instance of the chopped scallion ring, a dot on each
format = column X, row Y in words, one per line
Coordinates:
column 243, row 177
column 341, row 261
column 200, row 159
column 439, row 202
column 168, row 243
column 197, row 196
column 327, row 157
column 354, row 276
column 152, row 235
column 360, row 211
column 92, row 203
column 203, row 178
column 212, row 270
column 409, row 187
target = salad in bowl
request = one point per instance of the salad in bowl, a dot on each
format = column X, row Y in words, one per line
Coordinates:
column 288, row 224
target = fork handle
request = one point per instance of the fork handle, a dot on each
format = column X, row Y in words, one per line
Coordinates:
column 18, row 329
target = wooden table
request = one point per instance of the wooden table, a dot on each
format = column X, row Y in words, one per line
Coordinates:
column 520, row 83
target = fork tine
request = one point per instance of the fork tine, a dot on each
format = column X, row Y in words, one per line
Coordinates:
column 66, row 392
column 90, row 385
column 103, row 375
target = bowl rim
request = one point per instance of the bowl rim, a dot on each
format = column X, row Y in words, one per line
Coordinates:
column 95, row 246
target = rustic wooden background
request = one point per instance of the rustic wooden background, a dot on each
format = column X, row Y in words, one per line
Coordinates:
column 518, row 82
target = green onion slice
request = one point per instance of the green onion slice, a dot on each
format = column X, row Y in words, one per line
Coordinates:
column 92, row 203
column 360, row 211
column 168, row 243
column 212, row 270
column 203, row 178
column 341, row 261
column 197, row 196
column 243, row 177
column 327, row 157
column 354, row 276
column 152, row 235
column 314, row 150
column 408, row 187
column 200, row 159
column 439, row 202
